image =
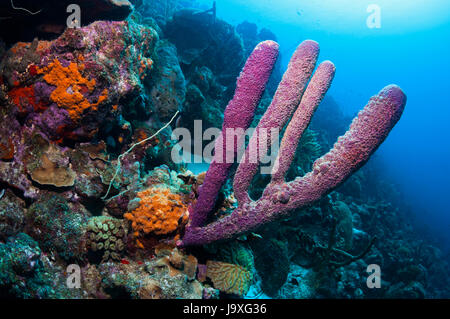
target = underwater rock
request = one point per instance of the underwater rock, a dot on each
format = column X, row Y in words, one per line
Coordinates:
column 272, row 264
column 22, row 274
column 298, row 285
column 47, row 19
column 202, row 41
column 73, row 88
column 12, row 214
column 59, row 226
column 162, row 10
column 150, row 280
column 176, row 261
column 168, row 89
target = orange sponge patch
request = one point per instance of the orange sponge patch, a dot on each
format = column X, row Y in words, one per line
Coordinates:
column 69, row 87
column 160, row 212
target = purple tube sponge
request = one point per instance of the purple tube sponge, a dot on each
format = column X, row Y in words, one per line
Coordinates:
column 238, row 115
column 352, row 150
column 286, row 99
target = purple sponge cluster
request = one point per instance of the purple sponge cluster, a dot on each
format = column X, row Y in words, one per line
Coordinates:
column 297, row 97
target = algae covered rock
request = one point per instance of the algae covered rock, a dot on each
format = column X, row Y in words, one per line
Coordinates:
column 272, row 264
column 59, row 226
column 73, row 86
column 12, row 214
column 22, row 274
column 168, row 89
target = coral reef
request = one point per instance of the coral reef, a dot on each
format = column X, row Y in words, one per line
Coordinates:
column 62, row 84
column 157, row 278
column 19, row 260
column 168, row 92
column 12, row 214
column 86, row 175
column 202, row 40
column 26, row 273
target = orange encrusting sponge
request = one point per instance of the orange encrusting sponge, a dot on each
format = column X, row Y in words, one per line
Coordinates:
column 160, row 212
column 70, row 85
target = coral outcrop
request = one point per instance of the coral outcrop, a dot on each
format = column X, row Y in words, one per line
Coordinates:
column 158, row 212
column 60, row 84
column 58, row 226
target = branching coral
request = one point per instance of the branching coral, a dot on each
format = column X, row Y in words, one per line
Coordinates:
column 160, row 212
column 297, row 96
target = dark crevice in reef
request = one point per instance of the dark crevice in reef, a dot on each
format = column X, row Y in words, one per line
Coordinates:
column 17, row 192
column 48, row 19
column 93, row 205
column 50, row 188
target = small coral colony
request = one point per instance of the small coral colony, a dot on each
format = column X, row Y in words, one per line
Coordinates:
column 88, row 184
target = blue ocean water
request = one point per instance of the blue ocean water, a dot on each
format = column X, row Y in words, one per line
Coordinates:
column 411, row 48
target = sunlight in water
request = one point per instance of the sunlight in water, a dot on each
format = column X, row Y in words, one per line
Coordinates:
column 348, row 16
